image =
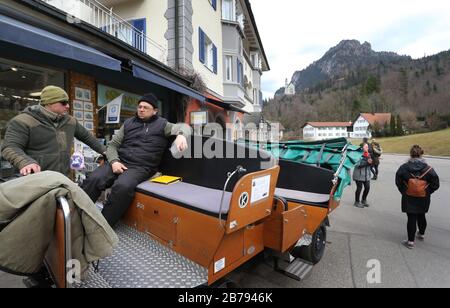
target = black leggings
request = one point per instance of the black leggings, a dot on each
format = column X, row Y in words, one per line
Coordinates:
column 415, row 220
column 359, row 187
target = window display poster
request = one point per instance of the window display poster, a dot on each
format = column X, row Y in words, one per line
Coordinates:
column 79, row 94
column 83, row 94
column 89, row 125
column 78, row 105
column 107, row 94
column 88, row 106
column 88, row 116
column 79, row 115
column 87, row 95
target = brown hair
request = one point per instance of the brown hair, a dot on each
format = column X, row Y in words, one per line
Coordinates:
column 416, row 151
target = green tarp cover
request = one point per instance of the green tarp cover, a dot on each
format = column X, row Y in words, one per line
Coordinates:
column 321, row 153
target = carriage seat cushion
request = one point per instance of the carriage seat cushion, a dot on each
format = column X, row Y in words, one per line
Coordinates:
column 302, row 197
column 195, row 197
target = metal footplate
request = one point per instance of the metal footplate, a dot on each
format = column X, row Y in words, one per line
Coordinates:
column 297, row 270
column 141, row 262
column 286, row 264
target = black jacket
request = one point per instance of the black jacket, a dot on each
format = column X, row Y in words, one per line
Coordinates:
column 416, row 167
column 144, row 143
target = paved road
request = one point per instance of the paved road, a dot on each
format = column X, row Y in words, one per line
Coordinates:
column 360, row 235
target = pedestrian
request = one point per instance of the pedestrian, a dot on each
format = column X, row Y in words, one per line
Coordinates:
column 41, row 137
column 377, row 151
column 362, row 176
column 134, row 155
column 416, row 181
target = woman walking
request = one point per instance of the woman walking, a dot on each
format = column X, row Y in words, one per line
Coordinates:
column 416, row 181
column 362, row 176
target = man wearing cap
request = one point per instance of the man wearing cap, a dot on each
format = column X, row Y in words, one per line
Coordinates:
column 134, row 155
column 41, row 137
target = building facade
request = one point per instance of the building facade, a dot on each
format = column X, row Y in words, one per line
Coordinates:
column 217, row 40
column 289, row 88
column 315, row 131
column 366, row 123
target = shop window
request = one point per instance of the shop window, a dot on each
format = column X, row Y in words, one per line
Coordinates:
column 20, row 87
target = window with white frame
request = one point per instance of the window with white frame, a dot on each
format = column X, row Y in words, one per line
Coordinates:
column 240, row 73
column 229, row 68
column 207, row 52
column 255, row 61
column 229, row 10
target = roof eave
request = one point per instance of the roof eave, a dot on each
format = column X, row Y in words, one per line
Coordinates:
column 255, row 28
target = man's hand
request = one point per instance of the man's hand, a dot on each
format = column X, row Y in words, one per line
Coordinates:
column 181, row 143
column 118, row 168
column 370, row 161
column 33, row 168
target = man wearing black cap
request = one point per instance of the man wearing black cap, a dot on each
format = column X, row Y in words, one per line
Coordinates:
column 134, row 155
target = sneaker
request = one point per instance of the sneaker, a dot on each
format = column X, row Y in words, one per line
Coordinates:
column 420, row 237
column 408, row 244
column 365, row 204
column 358, row 205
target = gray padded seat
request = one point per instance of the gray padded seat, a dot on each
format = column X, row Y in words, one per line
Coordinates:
column 193, row 196
column 302, row 196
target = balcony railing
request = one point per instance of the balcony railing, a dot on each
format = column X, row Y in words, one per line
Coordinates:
column 102, row 17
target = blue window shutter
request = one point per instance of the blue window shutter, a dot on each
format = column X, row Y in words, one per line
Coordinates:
column 214, row 4
column 215, row 59
column 138, row 41
column 202, row 45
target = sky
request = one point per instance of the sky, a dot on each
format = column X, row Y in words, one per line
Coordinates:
column 295, row 33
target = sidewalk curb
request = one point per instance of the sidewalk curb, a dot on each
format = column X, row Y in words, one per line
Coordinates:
column 425, row 156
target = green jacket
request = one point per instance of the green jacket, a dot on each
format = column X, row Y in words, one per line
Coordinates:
column 27, row 222
column 41, row 137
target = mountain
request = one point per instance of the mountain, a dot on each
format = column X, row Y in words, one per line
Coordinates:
column 340, row 61
column 351, row 78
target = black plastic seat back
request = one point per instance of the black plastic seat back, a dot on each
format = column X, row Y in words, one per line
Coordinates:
column 212, row 172
column 306, row 178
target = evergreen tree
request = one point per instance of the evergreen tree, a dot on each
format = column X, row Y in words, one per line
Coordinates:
column 404, row 85
column 393, row 126
column 372, row 85
column 386, row 132
column 399, row 127
column 376, row 129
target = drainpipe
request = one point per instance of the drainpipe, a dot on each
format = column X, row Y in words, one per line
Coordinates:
column 177, row 36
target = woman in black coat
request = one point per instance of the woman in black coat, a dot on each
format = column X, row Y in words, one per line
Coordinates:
column 416, row 207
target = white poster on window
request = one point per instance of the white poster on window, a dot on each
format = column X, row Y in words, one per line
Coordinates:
column 113, row 110
column 260, row 189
